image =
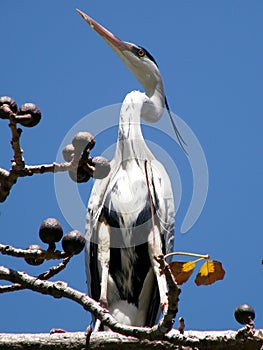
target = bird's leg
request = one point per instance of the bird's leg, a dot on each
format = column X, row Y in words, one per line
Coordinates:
column 104, row 261
column 97, row 325
column 155, row 249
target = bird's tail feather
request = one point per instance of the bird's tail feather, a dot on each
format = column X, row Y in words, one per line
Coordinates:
column 127, row 313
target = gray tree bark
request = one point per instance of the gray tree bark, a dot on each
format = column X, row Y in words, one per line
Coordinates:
column 216, row 340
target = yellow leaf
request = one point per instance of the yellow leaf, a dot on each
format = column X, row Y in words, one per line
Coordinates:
column 182, row 270
column 210, row 272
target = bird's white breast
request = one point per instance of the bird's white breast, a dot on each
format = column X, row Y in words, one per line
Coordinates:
column 128, row 192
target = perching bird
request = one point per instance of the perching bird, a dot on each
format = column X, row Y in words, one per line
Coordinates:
column 130, row 218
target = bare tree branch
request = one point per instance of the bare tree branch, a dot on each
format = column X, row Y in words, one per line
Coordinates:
column 219, row 340
column 60, row 289
column 141, row 337
column 32, row 253
column 19, row 168
column 11, row 288
column 54, row 270
column 18, row 160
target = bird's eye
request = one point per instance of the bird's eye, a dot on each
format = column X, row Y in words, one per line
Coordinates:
column 141, row 52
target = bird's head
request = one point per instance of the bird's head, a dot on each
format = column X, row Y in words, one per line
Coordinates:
column 144, row 67
column 139, row 61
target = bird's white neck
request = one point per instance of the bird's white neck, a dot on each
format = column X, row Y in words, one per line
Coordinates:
column 130, row 116
column 137, row 105
column 153, row 105
column 131, row 143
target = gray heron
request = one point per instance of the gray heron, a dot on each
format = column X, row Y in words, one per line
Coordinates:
column 130, row 216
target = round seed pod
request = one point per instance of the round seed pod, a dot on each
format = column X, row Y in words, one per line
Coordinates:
column 244, row 314
column 50, row 231
column 102, row 167
column 28, row 115
column 9, row 101
column 34, row 261
column 73, row 242
column 68, row 153
column 83, row 140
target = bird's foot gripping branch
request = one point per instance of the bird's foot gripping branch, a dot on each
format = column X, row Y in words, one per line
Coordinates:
column 80, row 166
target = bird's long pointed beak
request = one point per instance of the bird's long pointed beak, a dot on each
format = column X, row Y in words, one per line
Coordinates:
column 115, row 43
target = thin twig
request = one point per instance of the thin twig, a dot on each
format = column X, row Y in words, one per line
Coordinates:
column 18, row 161
column 11, row 288
column 39, row 254
column 32, row 253
column 54, row 270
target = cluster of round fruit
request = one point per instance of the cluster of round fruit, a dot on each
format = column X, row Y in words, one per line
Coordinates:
column 51, row 232
column 87, row 167
column 27, row 115
column 84, row 167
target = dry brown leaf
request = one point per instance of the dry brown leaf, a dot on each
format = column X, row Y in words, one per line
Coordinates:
column 182, row 270
column 210, row 272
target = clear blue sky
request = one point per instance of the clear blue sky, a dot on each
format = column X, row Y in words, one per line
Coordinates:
column 210, row 54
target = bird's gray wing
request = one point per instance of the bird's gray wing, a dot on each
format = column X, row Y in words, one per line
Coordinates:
column 94, row 213
column 93, row 216
column 163, row 198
